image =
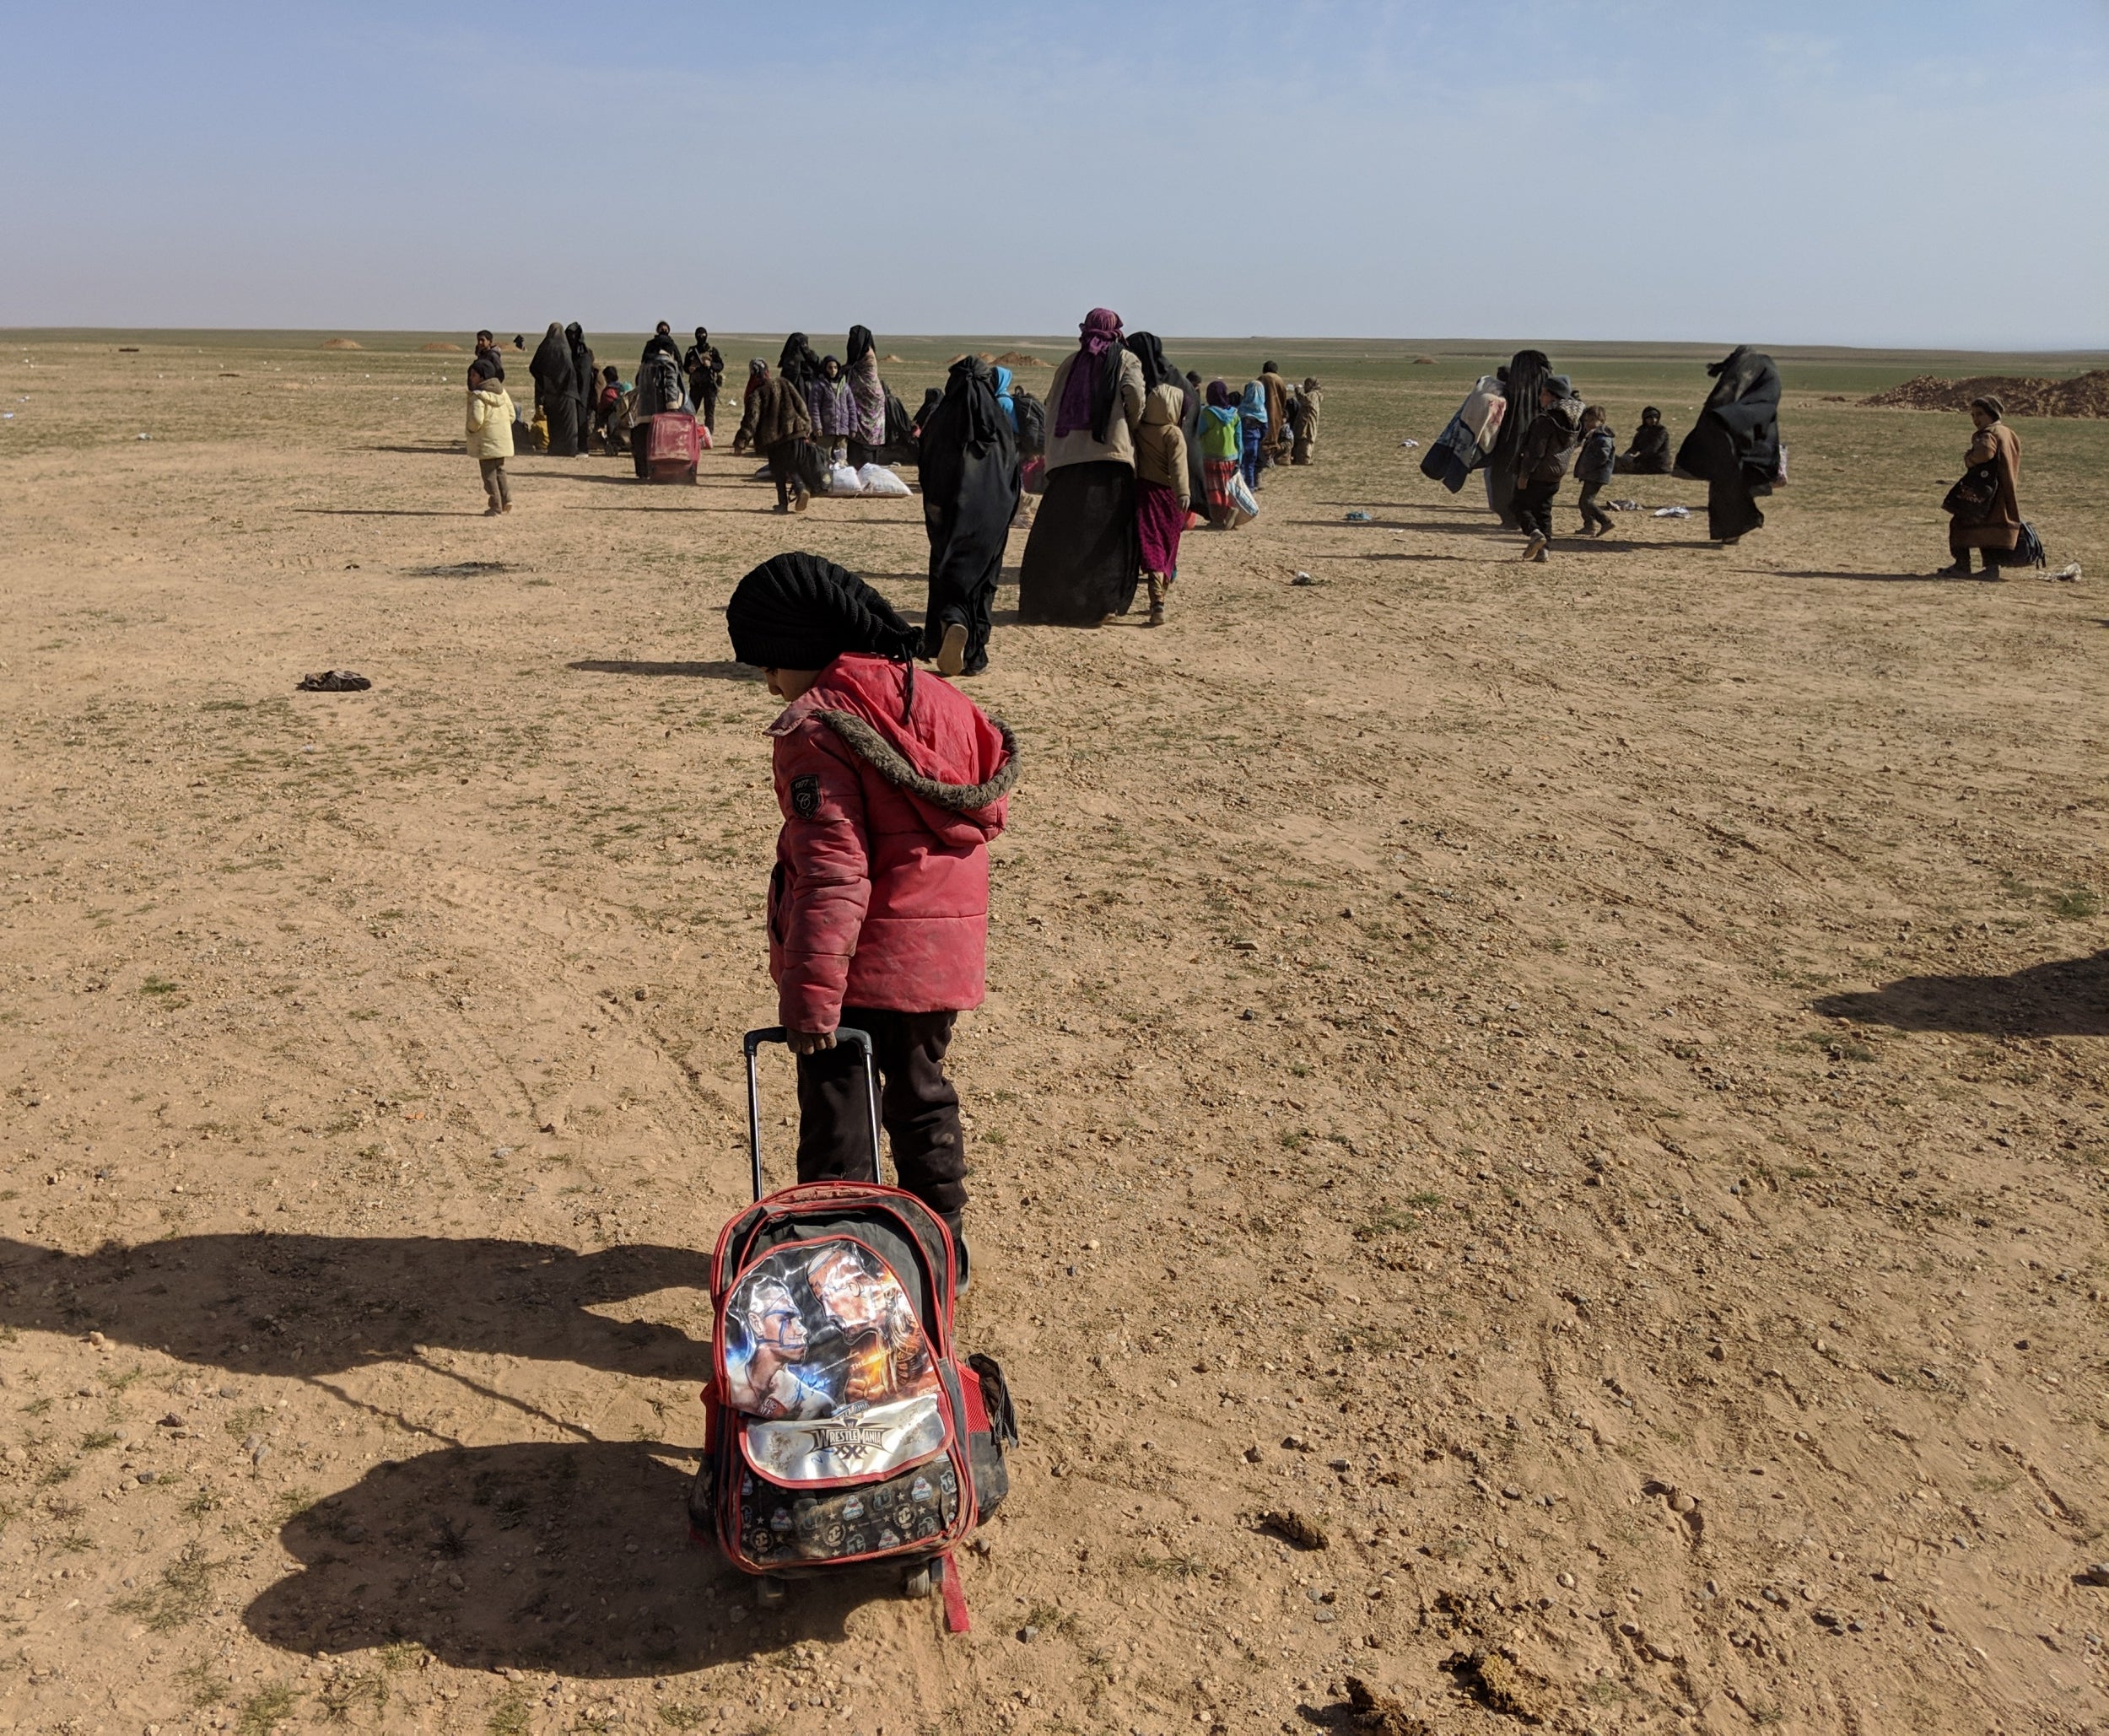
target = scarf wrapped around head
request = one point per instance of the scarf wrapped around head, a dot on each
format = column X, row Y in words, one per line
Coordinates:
column 798, row 364
column 1219, row 394
column 1144, row 347
column 552, row 362
column 1005, row 401
column 800, row 611
column 1094, row 377
column 861, row 344
column 1253, row 404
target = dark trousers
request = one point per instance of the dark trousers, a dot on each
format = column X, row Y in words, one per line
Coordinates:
column 783, row 469
column 861, row 455
column 918, row 1107
column 709, row 403
column 1592, row 514
column 1533, row 507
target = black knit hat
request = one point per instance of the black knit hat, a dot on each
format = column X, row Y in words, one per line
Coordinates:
column 800, row 611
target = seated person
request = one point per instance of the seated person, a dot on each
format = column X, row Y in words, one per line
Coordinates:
column 606, row 402
column 1649, row 454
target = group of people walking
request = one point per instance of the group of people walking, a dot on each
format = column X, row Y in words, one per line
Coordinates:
column 1527, row 426
column 1138, row 454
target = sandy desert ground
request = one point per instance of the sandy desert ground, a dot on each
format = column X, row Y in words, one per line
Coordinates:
column 1589, row 1082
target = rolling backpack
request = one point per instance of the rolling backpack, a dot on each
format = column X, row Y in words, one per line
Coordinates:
column 841, row 1426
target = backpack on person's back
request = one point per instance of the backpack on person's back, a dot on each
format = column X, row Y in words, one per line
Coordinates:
column 1031, row 417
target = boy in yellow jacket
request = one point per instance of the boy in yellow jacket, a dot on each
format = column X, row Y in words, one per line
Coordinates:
column 490, row 434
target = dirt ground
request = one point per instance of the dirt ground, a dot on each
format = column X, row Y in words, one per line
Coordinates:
column 1585, row 1083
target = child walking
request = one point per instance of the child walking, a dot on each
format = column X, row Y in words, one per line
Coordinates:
column 490, row 431
column 891, row 786
column 1593, row 466
column 1542, row 459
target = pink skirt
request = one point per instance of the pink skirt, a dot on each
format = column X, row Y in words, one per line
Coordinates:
column 1160, row 516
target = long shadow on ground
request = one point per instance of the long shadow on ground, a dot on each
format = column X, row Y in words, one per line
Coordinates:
column 702, row 672
column 309, row 1306
column 2064, row 997
column 570, row 1557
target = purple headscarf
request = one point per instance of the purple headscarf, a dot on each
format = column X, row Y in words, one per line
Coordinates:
column 1219, row 393
column 1088, row 393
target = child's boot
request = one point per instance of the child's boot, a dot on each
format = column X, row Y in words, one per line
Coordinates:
column 1157, row 600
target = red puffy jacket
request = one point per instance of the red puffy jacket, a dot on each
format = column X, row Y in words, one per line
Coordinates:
column 881, row 894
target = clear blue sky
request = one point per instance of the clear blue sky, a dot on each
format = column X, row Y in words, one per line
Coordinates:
column 1926, row 173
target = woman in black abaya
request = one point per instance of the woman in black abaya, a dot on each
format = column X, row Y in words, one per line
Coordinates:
column 556, row 392
column 968, row 462
column 1527, row 371
column 1736, row 446
column 582, row 379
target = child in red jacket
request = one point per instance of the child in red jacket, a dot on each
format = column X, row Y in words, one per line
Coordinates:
column 891, row 786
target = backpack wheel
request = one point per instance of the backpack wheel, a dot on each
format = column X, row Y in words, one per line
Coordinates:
column 923, row 1578
column 769, row 1592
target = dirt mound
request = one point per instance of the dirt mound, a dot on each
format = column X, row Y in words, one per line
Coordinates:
column 890, row 357
column 1018, row 358
column 436, row 349
column 2084, row 395
column 1424, row 361
column 342, row 343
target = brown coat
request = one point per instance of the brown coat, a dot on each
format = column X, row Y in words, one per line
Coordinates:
column 1277, row 390
column 776, row 412
column 2001, row 527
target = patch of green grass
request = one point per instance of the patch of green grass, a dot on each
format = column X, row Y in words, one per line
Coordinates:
column 341, row 1694
column 206, row 1688
column 57, row 1475
column 159, row 985
column 680, row 1717
column 249, row 1418
column 183, row 1593
column 1049, row 1618
column 1390, row 1222
column 36, row 1407
column 265, row 1709
column 96, row 1439
column 290, row 1503
column 2077, row 901
column 75, row 1543
column 206, row 1500
column 511, row 1713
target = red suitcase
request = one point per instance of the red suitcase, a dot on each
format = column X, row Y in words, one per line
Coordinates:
column 673, row 446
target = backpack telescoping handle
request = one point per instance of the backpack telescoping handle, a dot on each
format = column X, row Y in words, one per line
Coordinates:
column 845, row 1034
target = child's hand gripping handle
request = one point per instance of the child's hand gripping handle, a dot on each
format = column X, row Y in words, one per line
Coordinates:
column 859, row 1040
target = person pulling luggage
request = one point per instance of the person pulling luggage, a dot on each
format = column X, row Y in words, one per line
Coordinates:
column 891, row 783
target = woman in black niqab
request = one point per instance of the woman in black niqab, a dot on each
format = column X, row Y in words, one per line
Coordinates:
column 1528, row 371
column 1735, row 445
column 967, row 460
column 557, row 391
column 582, row 375
column 798, row 364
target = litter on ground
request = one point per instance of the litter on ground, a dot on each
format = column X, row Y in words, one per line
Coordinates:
column 1358, row 518
column 1673, row 512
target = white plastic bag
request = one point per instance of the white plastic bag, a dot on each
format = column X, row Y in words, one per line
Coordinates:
column 843, row 480
column 877, row 479
column 1243, row 507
